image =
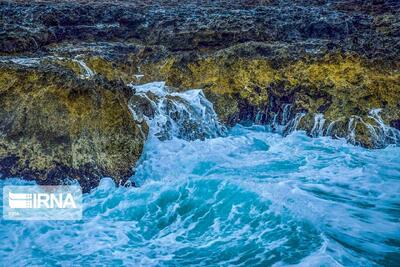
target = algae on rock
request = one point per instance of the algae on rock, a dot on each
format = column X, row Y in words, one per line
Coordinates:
column 54, row 126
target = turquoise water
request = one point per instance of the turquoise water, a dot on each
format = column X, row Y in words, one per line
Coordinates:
column 251, row 198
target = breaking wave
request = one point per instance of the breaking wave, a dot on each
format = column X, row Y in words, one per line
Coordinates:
column 208, row 196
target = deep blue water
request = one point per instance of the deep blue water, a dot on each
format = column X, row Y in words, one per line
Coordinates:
column 251, row 198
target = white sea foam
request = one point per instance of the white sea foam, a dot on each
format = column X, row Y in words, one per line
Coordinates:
column 248, row 197
column 188, row 115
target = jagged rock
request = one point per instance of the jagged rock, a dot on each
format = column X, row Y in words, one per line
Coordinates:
column 363, row 27
column 251, row 58
column 241, row 84
column 55, row 126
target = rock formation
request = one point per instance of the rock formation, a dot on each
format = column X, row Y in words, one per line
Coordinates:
column 56, row 126
column 65, row 64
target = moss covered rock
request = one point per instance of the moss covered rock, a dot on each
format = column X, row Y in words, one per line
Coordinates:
column 55, row 126
column 241, row 85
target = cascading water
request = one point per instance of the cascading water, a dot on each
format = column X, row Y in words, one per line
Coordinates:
column 384, row 133
column 318, row 127
column 293, row 124
column 284, row 121
column 286, row 113
column 330, row 127
column 187, row 115
column 280, row 122
column 87, row 72
column 208, row 196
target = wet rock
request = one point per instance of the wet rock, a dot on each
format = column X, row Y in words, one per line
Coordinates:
column 395, row 124
column 187, row 25
column 185, row 115
column 251, row 58
column 55, row 126
column 337, row 86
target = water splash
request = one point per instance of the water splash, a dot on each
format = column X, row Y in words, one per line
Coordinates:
column 383, row 133
column 294, row 123
column 87, row 72
column 281, row 121
column 284, row 121
column 249, row 198
column 188, row 115
column 286, row 113
column 318, row 127
column 380, row 133
column 330, row 127
column 324, row 180
column 25, row 61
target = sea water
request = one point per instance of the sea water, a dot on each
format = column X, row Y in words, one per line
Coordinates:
column 244, row 197
column 250, row 198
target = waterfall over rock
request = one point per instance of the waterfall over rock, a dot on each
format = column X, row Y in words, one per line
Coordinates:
column 187, row 115
column 384, row 134
column 318, row 128
column 369, row 130
column 281, row 119
column 87, row 72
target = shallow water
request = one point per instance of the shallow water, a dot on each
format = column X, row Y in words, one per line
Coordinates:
column 250, row 198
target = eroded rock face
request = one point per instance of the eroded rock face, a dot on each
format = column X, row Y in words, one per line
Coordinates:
column 252, row 80
column 65, row 66
column 367, row 27
column 55, row 126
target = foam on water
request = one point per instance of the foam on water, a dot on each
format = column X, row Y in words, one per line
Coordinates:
column 283, row 119
column 170, row 114
column 247, row 197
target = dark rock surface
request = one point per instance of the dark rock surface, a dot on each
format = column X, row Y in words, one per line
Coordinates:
column 369, row 28
column 252, row 58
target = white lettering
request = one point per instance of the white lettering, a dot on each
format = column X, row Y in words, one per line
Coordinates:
column 69, row 201
column 57, row 201
column 42, row 199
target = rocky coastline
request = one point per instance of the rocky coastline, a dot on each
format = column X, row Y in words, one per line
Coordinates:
column 65, row 69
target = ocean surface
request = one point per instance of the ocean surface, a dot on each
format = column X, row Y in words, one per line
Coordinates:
column 249, row 197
